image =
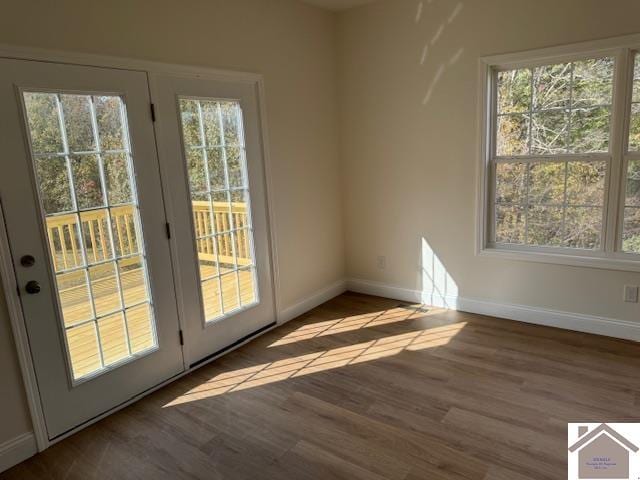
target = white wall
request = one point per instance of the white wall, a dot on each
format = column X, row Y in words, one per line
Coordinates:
column 409, row 142
column 292, row 44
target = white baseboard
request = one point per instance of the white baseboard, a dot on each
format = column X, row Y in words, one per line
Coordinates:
column 579, row 322
column 399, row 293
column 312, row 301
column 17, row 450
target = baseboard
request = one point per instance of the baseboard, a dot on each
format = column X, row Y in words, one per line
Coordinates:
column 579, row 322
column 17, row 450
column 399, row 293
column 312, row 301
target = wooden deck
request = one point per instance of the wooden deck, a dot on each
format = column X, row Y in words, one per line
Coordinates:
column 125, row 327
column 119, row 337
column 125, row 324
column 366, row 388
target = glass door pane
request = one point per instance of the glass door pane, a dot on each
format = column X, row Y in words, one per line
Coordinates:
column 84, row 174
column 212, row 134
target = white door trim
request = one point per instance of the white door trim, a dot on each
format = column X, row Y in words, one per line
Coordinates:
column 8, row 277
column 6, row 268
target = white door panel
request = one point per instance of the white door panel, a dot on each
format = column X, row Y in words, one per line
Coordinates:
column 211, row 156
column 82, row 196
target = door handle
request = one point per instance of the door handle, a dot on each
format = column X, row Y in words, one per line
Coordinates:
column 32, row 287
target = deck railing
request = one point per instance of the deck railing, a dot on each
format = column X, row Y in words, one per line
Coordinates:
column 64, row 242
column 66, row 251
column 225, row 218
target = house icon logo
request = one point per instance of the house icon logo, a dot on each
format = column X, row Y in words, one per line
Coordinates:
column 602, row 452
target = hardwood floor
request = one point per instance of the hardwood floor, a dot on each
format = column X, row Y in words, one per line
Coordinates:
column 366, row 388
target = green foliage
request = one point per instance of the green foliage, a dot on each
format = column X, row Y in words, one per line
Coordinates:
column 213, row 144
column 55, row 175
column 563, row 108
column 631, row 232
column 44, row 125
column 631, row 242
column 548, row 111
column 110, row 121
column 53, row 182
column 117, row 174
column 87, row 182
column 514, row 91
column 559, row 202
column 634, row 127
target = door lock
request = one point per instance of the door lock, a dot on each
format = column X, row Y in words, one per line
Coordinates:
column 27, row 261
column 32, row 287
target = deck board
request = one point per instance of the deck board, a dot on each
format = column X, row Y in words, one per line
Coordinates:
column 114, row 326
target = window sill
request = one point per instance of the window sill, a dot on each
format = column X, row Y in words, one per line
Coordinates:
column 622, row 262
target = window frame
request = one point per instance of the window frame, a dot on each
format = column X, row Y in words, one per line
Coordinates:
column 609, row 255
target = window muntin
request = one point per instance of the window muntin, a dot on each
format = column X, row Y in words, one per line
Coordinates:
column 555, row 109
column 85, row 178
column 552, row 139
column 213, row 139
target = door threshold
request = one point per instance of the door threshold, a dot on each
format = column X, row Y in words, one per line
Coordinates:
column 228, row 348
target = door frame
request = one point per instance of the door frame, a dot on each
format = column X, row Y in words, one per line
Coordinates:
column 7, row 273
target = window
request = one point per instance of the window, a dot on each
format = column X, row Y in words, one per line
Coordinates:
column 213, row 139
column 548, row 117
column 558, row 146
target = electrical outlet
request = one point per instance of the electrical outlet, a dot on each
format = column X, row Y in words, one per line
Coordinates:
column 631, row 293
column 381, row 262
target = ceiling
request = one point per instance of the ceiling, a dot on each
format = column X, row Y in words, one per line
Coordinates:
column 337, row 4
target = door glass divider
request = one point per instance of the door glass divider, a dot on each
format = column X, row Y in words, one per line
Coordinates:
column 248, row 229
column 205, row 158
column 227, row 184
column 65, row 146
column 105, row 315
column 114, row 258
column 79, row 152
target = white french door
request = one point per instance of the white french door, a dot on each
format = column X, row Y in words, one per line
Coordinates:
column 210, row 152
column 101, row 284
column 83, row 204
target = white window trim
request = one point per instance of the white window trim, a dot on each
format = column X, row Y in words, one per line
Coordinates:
column 610, row 257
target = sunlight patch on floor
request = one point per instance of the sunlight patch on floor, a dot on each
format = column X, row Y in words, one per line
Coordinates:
column 354, row 322
column 292, row 367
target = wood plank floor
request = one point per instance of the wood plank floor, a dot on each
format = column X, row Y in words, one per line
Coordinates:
column 366, row 388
